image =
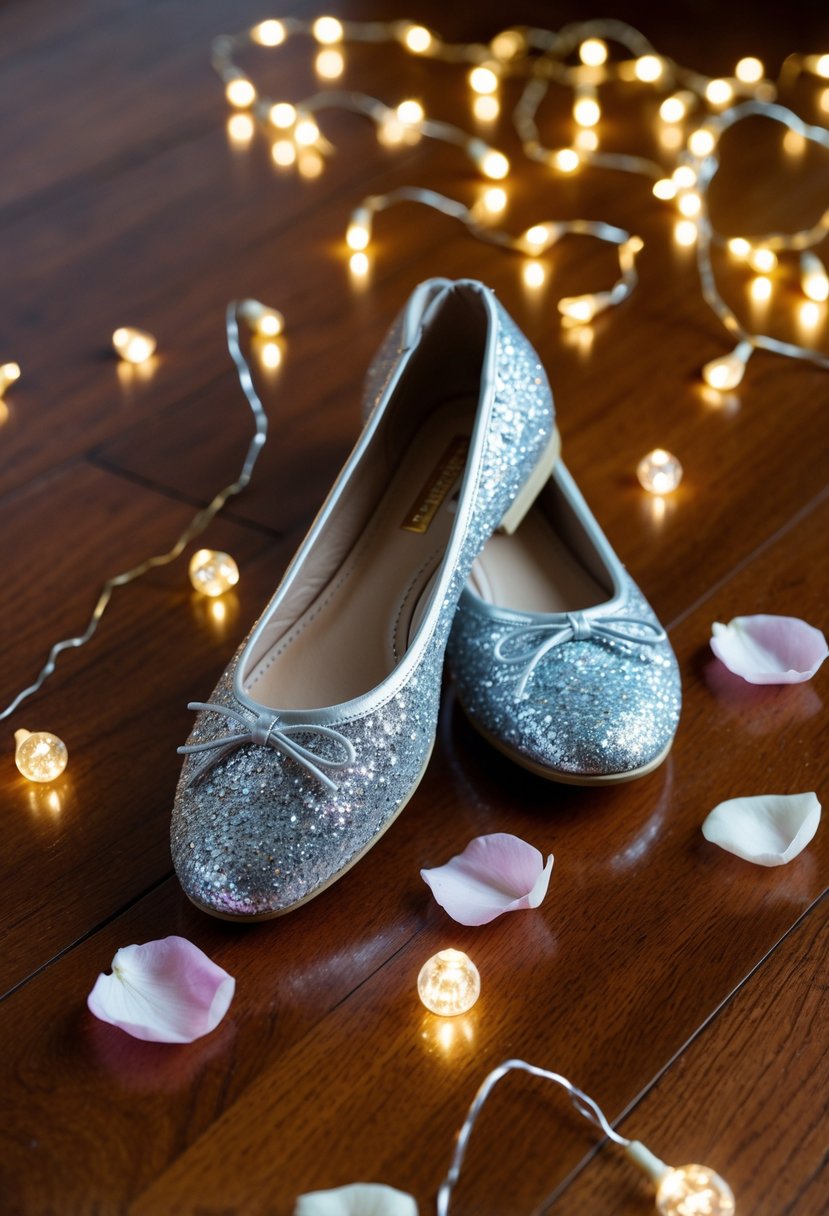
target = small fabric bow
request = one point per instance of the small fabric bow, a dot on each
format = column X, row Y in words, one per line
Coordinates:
column 529, row 644
column 265, row 731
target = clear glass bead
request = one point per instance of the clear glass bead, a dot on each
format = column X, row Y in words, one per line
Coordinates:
column 212, row 572
column 449, row 983
column 694, row 1190
column 659, row 472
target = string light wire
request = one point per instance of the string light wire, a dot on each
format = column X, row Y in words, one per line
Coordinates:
column 194, row 528
column 583, row 1104
column 546, row 57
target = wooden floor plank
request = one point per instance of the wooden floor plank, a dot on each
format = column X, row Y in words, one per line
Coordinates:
column 747, row 1097
column 78, row 850
column 123, row 201
column 345, row 1045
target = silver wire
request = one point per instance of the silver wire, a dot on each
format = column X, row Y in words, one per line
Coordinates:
column 584, row 1105
column 196, row 525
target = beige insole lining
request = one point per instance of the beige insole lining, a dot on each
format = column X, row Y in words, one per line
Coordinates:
column 534, row 571
column 357, row 628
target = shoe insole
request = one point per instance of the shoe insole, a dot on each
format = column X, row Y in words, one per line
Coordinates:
column 534, row 571
column 357, row 629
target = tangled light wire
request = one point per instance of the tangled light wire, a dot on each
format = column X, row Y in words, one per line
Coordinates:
column 545, row 57
column 235, row 310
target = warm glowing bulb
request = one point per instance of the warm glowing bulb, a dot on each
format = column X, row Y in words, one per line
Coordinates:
column 648, row 68
column 39, row 755
column 306, row 132
column 673, row 109
column 822, row 66
column 586, row 140
column 240, row 128
column 449, row 983
column 9, row 373
column 133, row 345
column 762, row 260
column 794, row 143
column 719, row 92
column 268, row 33
column 282, row 115
column 813, row 280
column 823, row 100
column 495, row 200
column 283, row 153
column 587, row 111
column 410, row 113
column 808, row 314
column 358, row 264
column 265, row 321
column 659, row 472
column 358, row 234
column 329, row 63
column 693, row 1190
column 357, row 237
column 240, row 92
column 684, row 176
column 578, row 309
column 685, row 232
column 749, row 70
column 567, row 160
column 533, row 274
column 390, row 133
column 507, row 44
column 690, row 204
column 760, row 289
column 593, row 52
column 486, row 107
column 417, row 39
column 483, row 80
column 327, row 30
column 665, row 188
column 739, row 247
column 727, row 371
column 212, row 572
column 537, row 237
column 701, row 142
column 494, row 164
column 270, row 356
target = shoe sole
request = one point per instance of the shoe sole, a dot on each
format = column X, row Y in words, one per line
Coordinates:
column 532, row 487
column 560, row 778
column 258, row 916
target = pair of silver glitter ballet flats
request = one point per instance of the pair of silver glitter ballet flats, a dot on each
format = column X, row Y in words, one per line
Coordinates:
column 452, row 529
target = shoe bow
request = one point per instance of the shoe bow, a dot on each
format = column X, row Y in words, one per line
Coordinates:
column 529, row 644
column 265, row 731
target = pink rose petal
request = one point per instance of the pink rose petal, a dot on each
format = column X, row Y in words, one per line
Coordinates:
column 494, row 874
column 769, row 649
column 167, row 991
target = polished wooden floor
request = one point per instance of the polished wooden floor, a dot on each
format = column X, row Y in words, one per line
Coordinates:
column 682, row 988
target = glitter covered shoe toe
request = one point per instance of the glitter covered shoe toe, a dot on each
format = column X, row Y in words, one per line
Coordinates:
column 557, row 657
column 322, row 725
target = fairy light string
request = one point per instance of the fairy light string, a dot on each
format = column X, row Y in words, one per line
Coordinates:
column 195, row 527
column 582, row 57
column 679, row 1191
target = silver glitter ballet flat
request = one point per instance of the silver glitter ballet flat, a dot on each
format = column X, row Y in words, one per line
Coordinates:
column 557, row 657
column 322, row 725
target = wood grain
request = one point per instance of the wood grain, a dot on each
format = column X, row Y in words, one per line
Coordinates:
column 746, row 1097
column 657, row 965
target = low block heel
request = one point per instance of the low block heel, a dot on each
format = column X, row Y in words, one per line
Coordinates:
column 532, row 486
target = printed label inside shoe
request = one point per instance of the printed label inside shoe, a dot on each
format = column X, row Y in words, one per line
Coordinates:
column 441, row 480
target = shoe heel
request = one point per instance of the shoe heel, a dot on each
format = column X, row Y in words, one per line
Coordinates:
column 532, row 486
